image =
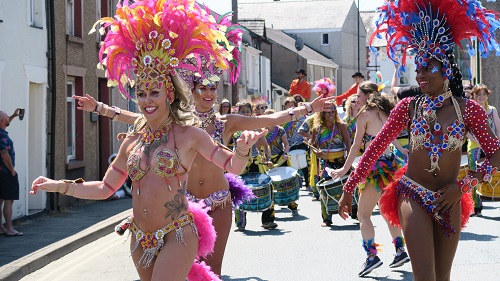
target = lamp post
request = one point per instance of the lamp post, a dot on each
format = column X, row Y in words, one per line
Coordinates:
column 359, row 59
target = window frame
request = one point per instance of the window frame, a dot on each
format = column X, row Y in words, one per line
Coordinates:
column 323, row 39
column 71, row 101
column 36, row 7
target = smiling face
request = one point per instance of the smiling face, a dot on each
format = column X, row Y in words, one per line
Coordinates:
column 204, row 96
column 430, row 78
column 225, row 108
column 481, row 97
column 153, row 102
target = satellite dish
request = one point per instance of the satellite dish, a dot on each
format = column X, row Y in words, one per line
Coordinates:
column 299, row 44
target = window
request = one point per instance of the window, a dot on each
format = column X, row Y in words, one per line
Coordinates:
column 325, row 40
column 74, row 18
column 70, row 120
column 36, row 13
column 322, row 73
column 311, row 74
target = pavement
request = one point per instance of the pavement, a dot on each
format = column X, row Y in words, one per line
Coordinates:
column 50, row 236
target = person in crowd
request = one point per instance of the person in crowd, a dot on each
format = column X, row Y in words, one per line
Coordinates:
column 372, row 116
column 295, row 140
column 427, row 200
column 467, row 91
column 278, row 143
column 225, row 107
column 331, row 142
column 159, row 151
column 301, row 86
column 259, row 163
column 358, row 78
column 351, row 113
column 9, row 182
column 480, row 94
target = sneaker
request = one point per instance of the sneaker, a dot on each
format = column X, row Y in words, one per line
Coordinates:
column 295, row 213
column 370, row 265
column 326, row 224
column 240, row 229
column 314, row 199
column 399, row 260
column 269, row 225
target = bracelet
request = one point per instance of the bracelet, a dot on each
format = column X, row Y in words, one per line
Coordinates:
column 467, row 184
column 241, row 155
column 118, row 111
column 70, row 190
column 98, row 107
column 59, row 187
column 291, row 113
column 486, row 169
column 308, row 107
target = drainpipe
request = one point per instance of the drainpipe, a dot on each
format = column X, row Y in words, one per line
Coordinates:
column 49, row 4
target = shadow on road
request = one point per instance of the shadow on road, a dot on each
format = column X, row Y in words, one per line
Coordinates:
column 468, row 236
column 265, row 232
column 405, row 276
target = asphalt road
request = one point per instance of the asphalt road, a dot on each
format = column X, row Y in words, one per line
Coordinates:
column 299, row 249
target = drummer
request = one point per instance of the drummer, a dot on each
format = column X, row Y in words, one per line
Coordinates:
column 258, row 163
column 295, row 140
column 331, row 141
column 278, row 143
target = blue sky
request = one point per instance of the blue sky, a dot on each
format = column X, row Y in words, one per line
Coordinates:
column 223, row 6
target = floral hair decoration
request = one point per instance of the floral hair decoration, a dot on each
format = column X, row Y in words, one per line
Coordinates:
column 432, row 27
column 324, row 83
column 149, row 39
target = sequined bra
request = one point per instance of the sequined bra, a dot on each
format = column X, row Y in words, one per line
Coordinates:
column 167, row 164
column 433, row 138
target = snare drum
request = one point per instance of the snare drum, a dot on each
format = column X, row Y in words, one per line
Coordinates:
column 298, row 159
column 261, row 188
column 286, row 184
column 330, row 192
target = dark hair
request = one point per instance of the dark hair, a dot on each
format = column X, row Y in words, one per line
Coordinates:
column 242, row 105
column 376, row 100
column 297, row 96
column 456, row 85
column 291, row 100
column 368, row 87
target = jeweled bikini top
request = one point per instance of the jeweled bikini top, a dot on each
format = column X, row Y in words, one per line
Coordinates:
column 433, row 138
column 167, row 162
column 209, row 117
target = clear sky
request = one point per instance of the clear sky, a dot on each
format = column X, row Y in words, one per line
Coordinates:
column 223, row 6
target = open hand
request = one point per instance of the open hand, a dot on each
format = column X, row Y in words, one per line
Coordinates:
column 248, row 139
column 87, row 103
column 45, row 184
column 320, row 103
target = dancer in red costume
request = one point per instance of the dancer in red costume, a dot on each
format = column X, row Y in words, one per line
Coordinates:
column 428, row 202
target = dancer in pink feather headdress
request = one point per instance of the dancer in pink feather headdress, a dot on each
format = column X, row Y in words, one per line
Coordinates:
column 145, row 44
column 427, row 201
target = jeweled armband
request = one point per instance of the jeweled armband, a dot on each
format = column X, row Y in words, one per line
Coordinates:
column 486, row 169
column 467, row 184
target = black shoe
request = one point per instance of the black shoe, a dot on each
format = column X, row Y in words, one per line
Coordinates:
column 370, row 265
column 399, row 260
column 269, row 225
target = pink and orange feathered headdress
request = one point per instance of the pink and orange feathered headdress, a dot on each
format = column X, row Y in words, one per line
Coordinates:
column 197, row 69
column 431, row 28
column 324, row 83
column 148, row 40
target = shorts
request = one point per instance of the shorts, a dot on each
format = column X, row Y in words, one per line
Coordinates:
column 9, row 187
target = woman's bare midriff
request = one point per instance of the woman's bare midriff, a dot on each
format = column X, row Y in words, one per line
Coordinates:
column 205, row 178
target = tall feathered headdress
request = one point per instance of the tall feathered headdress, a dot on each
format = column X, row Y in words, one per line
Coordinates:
column 324, row 83
column 433, row 27
column 149, row 39
column 198, row 69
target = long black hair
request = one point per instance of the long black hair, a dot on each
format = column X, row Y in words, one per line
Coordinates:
column 456, row 87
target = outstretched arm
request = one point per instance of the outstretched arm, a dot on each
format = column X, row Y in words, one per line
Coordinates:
column 115, row 176
column 236, row 122
column 89, row 104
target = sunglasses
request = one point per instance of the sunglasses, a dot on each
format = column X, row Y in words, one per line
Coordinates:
column 261, row 107
column 225, row 106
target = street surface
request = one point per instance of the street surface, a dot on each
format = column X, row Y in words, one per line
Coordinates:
column 299, row 249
